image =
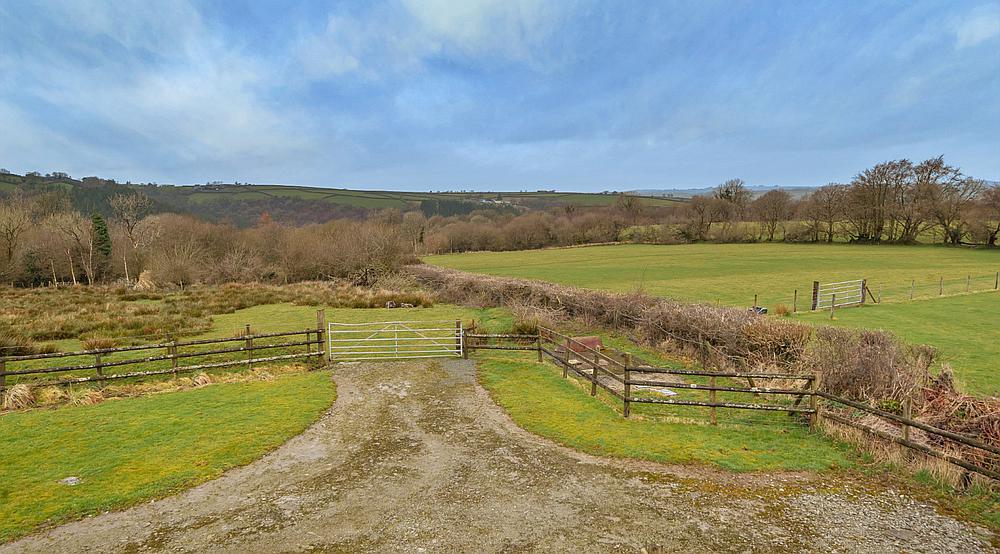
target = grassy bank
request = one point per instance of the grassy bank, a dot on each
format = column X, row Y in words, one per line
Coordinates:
column 542, row 402
column 131, row 450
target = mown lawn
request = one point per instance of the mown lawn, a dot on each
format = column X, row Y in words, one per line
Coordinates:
column 733, row 273
column 127, row 451
column 964, row 329
column 539, row 400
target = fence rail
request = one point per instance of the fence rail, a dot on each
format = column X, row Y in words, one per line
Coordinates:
column 601, row 371
column 250, row 344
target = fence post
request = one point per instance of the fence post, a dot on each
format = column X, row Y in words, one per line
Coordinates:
column 795, row 301
column 321, row 335
column 628, row 384
column 833, row 304
column 538, row 346
column 249, row 347
column 864, row 290
column 940, row 286
column 97, row 362
column 815, row 302
column 996, row 281
column 907, row 409
column 711, row 398
column 566, row 359
column 3, row 374
column 172, row 352
column 813, row 404
column 913, row 284
column 879, row 300
column 755, row 300
column 593, row 375
column 968, row 283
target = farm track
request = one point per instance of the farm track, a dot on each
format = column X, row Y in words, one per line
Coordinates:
column 416, row 456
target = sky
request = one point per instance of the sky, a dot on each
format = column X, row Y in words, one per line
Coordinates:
column 497, row 94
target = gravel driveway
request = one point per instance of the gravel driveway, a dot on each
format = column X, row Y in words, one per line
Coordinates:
column 416, row 457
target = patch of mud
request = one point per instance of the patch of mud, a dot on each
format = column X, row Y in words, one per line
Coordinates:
column 416, row 457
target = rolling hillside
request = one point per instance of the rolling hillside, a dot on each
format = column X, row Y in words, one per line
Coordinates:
column 243, row 204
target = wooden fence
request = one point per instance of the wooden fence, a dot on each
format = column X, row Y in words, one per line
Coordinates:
column 169, row 354
column 621, row 377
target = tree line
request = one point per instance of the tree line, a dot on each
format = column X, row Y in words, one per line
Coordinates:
column 45, row 240
column 893, row 202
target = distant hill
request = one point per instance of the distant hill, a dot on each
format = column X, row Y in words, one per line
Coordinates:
column 757, row 190
column 243, row 204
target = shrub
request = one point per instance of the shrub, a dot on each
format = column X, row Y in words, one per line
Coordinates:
column 98, row 343
column 782, row 310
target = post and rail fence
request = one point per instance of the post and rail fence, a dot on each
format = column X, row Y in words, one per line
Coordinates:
column 623, row 379
column 163, row 358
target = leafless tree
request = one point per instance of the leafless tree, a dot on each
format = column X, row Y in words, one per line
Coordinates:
column 987, row 216
column 75, row 230
column 952, row 205
column 129, row 210
column 772, row 209
column 16, row 214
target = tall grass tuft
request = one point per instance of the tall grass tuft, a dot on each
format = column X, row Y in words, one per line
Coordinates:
column 17, row 397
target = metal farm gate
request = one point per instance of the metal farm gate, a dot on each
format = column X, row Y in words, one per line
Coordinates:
column 836, row 295
column 394, row 340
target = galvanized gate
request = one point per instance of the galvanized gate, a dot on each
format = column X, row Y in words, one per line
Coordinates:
column 836, row 295
column 394, row 340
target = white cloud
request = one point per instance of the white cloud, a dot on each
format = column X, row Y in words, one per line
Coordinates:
column 979, row 26
column 509, row 28
column 149, row 73
column 399, row 37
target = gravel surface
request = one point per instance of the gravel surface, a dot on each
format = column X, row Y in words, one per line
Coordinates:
column 415, row 457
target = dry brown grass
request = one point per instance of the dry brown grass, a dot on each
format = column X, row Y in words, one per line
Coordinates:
column 98, row 343
column 201, row 380
column 84, row 396
column 17, row 397
column 33, row 315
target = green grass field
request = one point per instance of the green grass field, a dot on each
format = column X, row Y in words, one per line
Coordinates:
column 127, row 451
column 733, row 273
column 964, row 328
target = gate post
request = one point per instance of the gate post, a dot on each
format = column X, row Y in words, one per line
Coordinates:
column 321, row 335
column 815, row 294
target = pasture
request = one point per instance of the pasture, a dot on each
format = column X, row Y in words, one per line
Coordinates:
column 963, row 328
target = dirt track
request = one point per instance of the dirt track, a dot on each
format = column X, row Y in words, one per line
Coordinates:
column 416, row 457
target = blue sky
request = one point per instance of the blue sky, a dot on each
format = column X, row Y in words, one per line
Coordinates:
column 497, row 94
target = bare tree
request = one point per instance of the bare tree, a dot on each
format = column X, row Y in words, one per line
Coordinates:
column 869, row 200
column 75, row 230
column 16, row 214
column 772, row 209
column 952, row 204
column 630, row 206
column 129, row 210
column 987, row 216
column 828, row 204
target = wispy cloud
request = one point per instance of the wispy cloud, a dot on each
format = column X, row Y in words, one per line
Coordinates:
column 512, row 93
column 980, row 25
